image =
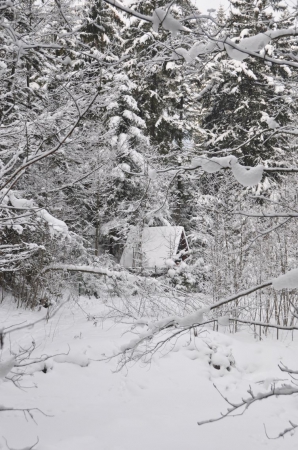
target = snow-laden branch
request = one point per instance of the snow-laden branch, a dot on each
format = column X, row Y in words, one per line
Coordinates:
column 188, row 321
column 20, row 42
column 23, row 410
column 5, row 5
column 246, row 402
column 264, row 324
column 288, row 280
column 23, row 448
column 49, row 315
column 55, row 225
column 237, row 409
column 195, row 319
column 220, row 166
column 90, row 269
column 148, row 335
column 255, row 45
column 241, row 294
column 284, row 432
column 129, row 11
column 284, row 368
column 43, row 155
column 247, row 176
column 160, row 17
column 268, row 215
column 251, row 46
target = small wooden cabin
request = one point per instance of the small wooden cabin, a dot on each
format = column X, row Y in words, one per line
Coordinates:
column 151, row 247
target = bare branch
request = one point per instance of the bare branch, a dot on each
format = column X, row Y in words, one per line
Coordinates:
column 23, row 448
column 264, row 324
column 86, row 269
column 47, row 317
column 283, row 433
column 41, row 156
column 284, row 368
column 241, row 294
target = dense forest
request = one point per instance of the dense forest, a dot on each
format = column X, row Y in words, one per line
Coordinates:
column 118, row 118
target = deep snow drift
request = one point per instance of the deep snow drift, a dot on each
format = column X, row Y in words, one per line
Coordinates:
column 152, row 407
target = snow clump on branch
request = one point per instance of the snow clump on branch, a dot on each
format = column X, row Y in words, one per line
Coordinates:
column 235, row 51
column 245, row 176
column 251, row 44
column 287, row 281
column 168, row 22
column 199, row 48
column 55, row 225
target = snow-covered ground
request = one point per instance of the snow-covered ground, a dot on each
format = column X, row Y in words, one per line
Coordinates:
column 153, row 407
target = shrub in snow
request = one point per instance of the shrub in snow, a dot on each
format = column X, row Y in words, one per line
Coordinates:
column 221, row 358
column 171, row 273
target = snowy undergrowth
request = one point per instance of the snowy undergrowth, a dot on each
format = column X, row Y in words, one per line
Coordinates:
column 155, row 406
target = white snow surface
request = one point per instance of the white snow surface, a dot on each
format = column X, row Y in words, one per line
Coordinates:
column 224, row 321
column 94, row 407
column 73, row 358
column 6, row 367
column 287, row 281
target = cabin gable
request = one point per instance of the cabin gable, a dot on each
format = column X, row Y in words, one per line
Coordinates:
column 151, row 247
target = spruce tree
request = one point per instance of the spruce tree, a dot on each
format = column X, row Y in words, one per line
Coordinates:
column 164, row 92
column 161, row 85
column 102, row 30
column 248, row 100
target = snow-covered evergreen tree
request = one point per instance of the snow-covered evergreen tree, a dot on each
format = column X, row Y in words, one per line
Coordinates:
column 161, row 86
column 102, row 30
column 120, row 189
column 248, row 104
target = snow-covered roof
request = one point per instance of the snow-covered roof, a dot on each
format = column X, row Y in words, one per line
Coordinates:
column 152, row 246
